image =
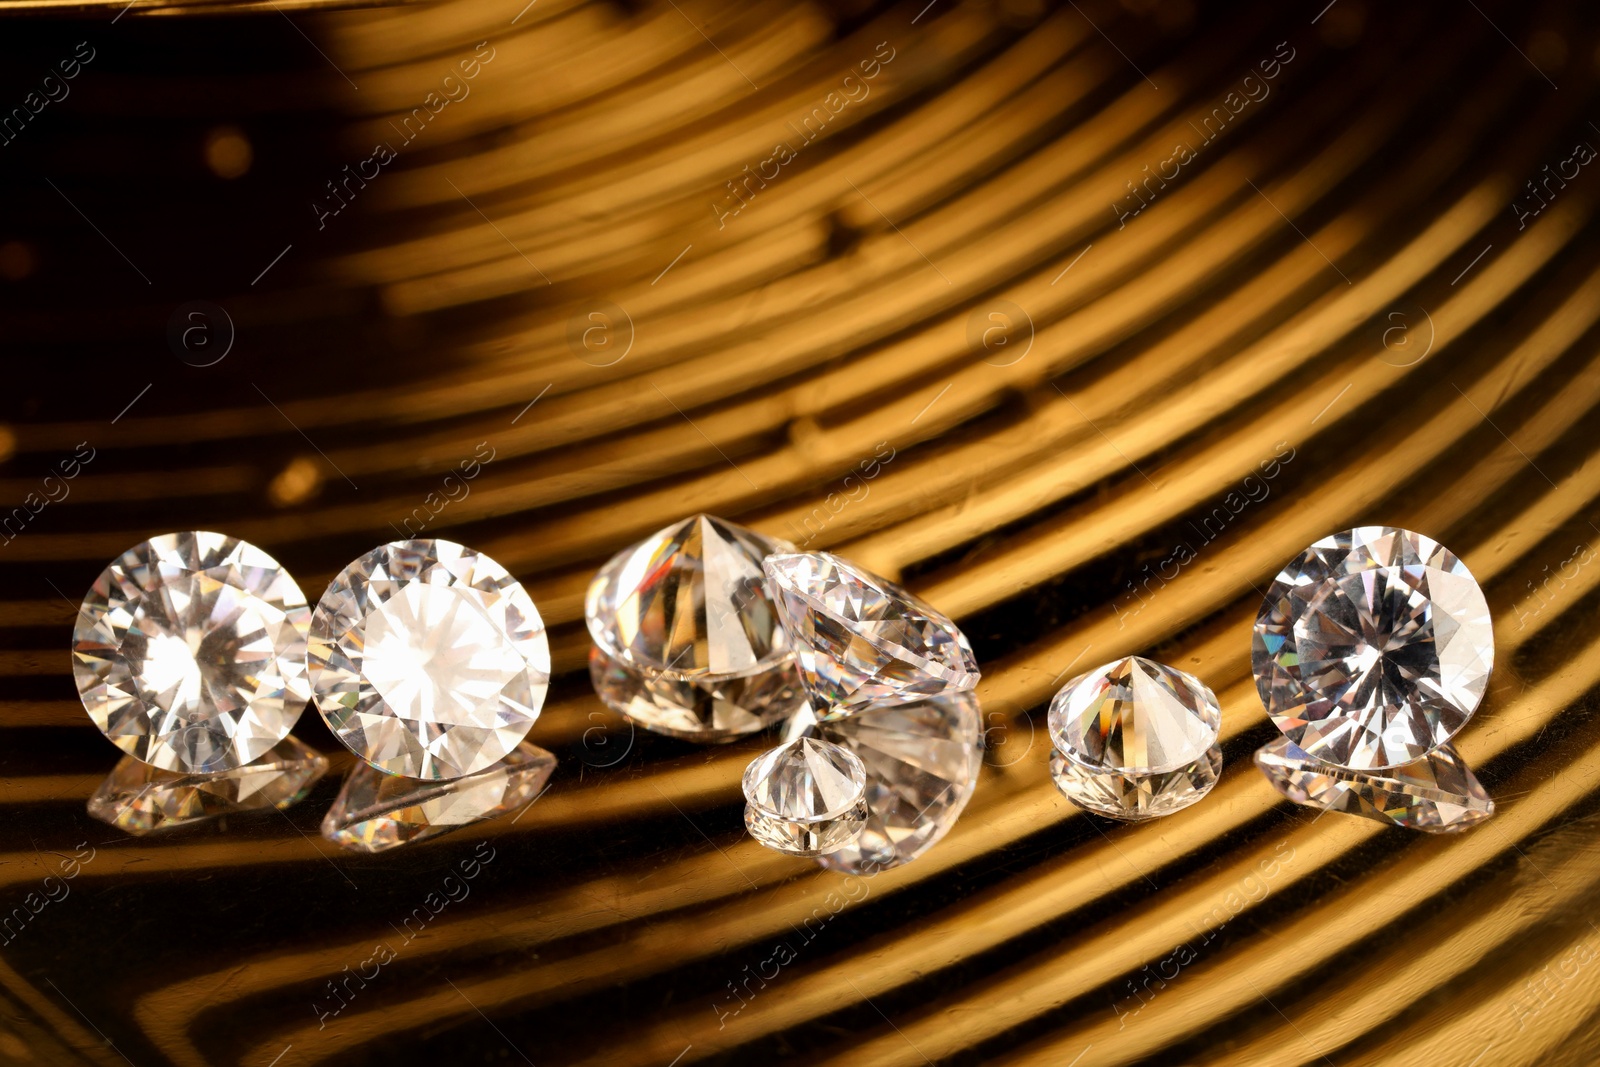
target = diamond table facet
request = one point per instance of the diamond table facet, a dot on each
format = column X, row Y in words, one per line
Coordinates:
column 1135, row 739
column 140, row 799
column 1438, row 793
column 190, row 652
column 861, row 640
column 428, row 659
column 922, row 761
column 805, row 797
column 687, row 641
column 376, row 812
column 1373, row 647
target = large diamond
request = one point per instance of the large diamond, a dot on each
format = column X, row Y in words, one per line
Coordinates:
column 139, row 798
column 922, row 761
column 805, row 797
column 862, row 640
column 1135, row 739
column 428, row 659
column 375, row 812
column 687, row 641
column 1438, row 793
column 1373, row 647
column 190, row 652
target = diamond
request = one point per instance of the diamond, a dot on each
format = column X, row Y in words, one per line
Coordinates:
column 1438, row 793
column 375, row 812
column 922, row 761
column 862, row 640
column 805, row 797
column 1135, row 739
column 190, row 652
column 1373, row 648
column 428, row 659
column 139, row 798
column 687, row 641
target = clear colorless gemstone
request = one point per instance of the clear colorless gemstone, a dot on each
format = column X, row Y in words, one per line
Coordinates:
column 428, row 659
column 1135, row 739
column 805, row 797
column 1438, row 793
column 1373, row 648
column 687, row 641
column 922, row 761
column 139, row 798
column 375, row 812
column 861, row 640
column 190, row 652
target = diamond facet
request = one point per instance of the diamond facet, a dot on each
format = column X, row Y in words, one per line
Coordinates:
column 687, row 641
column 862, row 640
column 1135, row 739
column 428, row 659
column 1373, row 648
column 1438, row 793
column 139, row 798
column 922, row 761
column 376, row 812
column 190, row 652
column 805, row 797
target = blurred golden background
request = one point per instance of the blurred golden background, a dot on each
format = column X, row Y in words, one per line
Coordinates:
column 1073, row 275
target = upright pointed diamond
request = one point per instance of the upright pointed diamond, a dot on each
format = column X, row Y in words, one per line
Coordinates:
column 922, row 762
column 139, row 798
column 1438, row 793
column 376, row 811
column 862, row 640
column 687, row 641
column 1135, row 739
column 805, row 797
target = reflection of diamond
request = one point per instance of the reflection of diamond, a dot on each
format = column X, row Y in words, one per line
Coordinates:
column 190, row 652
column 1373, row 647
column 139, row 798
column 861, row 639
column 428, row 659
column 686, row 639
column 377, row 811
column 922, row 763
column 805, row 797
column 1438, row 793
column 1135, row 739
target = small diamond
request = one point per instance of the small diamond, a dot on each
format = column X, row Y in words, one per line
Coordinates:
column 139, row 798
column 922, row 762
column 1135, row 739
column 376, row 812
column 806, row 797
column 1373, row 647
column 687, row 641
column 862, row 640
column 428, row 659
column 1438, row 793
column 190, row 652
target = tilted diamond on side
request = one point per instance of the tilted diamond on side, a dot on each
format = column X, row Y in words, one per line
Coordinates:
column 862, row 640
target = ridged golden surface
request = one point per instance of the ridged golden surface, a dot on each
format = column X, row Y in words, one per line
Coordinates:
column 1340, row 303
